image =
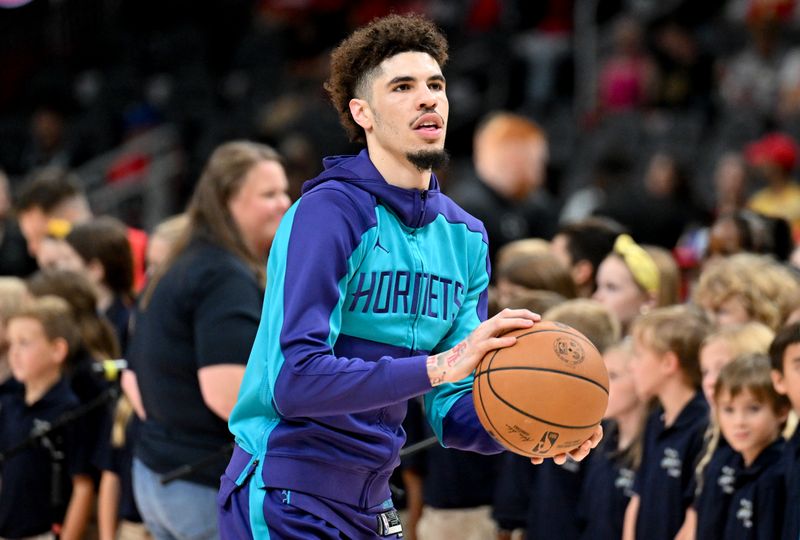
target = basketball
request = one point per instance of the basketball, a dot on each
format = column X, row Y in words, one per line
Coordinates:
column 545, row 394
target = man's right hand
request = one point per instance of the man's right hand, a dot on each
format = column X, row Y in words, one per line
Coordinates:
column 458, row 362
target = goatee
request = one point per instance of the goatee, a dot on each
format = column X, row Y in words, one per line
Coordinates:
column 426, row 160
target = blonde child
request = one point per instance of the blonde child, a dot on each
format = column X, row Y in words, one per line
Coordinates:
column 608, row 483
column 12, row 293
column 628, row 281
column 747, row 287
column 713, row 475
column 751, row 415
column 665, row 366
column 46, row 486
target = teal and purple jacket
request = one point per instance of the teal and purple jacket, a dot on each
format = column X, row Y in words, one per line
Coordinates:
column 365, row 280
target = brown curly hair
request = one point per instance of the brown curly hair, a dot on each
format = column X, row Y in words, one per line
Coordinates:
column 357, row 56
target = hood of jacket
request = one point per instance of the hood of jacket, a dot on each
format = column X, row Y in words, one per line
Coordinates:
column 414, row 207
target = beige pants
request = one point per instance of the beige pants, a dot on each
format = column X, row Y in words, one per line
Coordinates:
column 132, row 531
column 468, row 524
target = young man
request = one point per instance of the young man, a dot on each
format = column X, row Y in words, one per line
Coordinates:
column 376, row 293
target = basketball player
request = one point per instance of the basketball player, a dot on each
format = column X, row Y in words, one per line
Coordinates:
column 376, row 293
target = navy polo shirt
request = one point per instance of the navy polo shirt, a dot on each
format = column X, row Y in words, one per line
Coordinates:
column 664, row 479
column 607, row 489
column 714, row 498
column 26, row 505
column 791, row 470
column 756, row 509
column 553, row 506
column 513, row 491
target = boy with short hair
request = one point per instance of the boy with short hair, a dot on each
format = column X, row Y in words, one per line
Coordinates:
column 751, row 416
column 46, row 487
column 665, row 366
column 784, row 354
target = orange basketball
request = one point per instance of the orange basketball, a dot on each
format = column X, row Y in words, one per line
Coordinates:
column 545, row 394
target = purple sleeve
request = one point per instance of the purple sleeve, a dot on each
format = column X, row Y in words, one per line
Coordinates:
column 462, row 430
column 322, row 249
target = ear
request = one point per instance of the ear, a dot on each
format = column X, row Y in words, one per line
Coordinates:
column 60, row 350
column 362, row 113
column 778, row 382
column 670, row 363
column 582, row 272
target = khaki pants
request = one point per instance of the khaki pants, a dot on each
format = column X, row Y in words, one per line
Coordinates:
column 464, row 524
column 132, row 531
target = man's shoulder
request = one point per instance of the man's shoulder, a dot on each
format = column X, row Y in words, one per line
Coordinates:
column 454, row 213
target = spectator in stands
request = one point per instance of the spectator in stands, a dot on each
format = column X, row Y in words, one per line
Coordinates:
column 659, row 209
column 100, row 250
column 628, row 76
column 730, row 183
column 510, row 157
column 14, row 257
column 198, row 318
column 581, row 246
column 54, row 195
column 774, row 157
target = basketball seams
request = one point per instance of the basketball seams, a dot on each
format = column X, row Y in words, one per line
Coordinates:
column 548, row 370
column 496, row 431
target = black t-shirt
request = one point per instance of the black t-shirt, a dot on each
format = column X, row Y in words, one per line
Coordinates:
column 28, row 503
column 204, row 311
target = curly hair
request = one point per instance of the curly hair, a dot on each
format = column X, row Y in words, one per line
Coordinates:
column 767, row 289
column 356, row 58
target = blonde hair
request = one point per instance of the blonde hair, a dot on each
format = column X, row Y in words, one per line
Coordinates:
column 745, row 339
column 56, row 318
column 540, row 270
column 536, row 300
column 678, row 329
column 171, row 228
column 521, row 248
column 768, row 291
column 749, row 338
column 12, row 293
column 589, row 317
column 669, row 282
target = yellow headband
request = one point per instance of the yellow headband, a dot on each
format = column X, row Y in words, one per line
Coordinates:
column 639, row 262
column 58, row 228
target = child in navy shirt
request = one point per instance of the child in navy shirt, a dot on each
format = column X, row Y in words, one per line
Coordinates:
column 751, row 415
column 784, row 355
column 665, row 366
column 45, row 485
column 609, row 472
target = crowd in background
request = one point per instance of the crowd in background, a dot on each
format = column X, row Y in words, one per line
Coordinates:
column 647, row 197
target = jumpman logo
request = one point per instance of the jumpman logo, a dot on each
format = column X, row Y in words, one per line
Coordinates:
column 378, row 245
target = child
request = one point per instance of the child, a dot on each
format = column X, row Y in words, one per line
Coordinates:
column 12, row 292
column 628, row 281
column 608, row 483
column 665, row 366
column 784, row 354
column 551, row 492
column 714, row 471
column 751, row 415
column 45, row 484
